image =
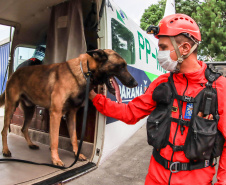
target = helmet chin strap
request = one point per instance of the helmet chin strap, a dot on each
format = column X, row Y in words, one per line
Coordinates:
column 180, row 58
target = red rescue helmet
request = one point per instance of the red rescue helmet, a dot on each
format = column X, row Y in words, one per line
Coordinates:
column 176, row 24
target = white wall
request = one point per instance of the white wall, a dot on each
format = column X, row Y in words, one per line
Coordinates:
column 2, row 111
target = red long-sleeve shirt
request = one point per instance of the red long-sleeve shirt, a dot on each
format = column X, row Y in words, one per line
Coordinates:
column 189, row 84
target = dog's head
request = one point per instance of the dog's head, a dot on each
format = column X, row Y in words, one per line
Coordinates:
column 110, row 64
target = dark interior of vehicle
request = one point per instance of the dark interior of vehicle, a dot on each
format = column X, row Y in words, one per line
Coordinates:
column 66, row 29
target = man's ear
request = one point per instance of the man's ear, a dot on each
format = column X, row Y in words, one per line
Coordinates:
column 186, row 48
column 98, row 55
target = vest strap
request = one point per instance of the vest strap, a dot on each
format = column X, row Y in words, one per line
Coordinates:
column 185, row 98
column 176, row 148
column 181, row 122
column 177, row 166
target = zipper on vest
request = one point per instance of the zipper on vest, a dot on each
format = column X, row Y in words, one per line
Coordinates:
column 182, row 128
column 180, row 106
column 173, row 152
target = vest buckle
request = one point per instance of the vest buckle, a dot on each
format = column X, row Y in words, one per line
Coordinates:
column 174, row 167
column 187, row 98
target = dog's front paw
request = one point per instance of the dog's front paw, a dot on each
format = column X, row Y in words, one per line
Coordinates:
column 82, row 157
column 6, row 153
column 58, row 162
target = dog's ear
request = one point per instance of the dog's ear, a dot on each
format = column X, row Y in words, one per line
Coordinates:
column 98, row 54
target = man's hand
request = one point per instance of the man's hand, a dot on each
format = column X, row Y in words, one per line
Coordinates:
column 210, row 116
column 92, row 94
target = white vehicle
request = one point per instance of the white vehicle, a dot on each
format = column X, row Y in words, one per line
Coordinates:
column 66, row 29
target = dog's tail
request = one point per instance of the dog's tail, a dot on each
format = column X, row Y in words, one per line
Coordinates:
column 2, row 99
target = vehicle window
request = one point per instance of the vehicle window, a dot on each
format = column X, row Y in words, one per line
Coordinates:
column 221, row 68
column 22, row 54
column 123, row 41
column 4, row 58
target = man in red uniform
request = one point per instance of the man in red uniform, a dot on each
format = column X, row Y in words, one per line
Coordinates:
column 178, row 36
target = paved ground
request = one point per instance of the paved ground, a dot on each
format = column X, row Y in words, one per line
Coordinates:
column 128, row 166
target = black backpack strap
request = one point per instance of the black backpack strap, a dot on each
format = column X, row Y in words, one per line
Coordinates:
column 177, row 166
column 181, row 122
column 174, row 91
column 212, row 73
column 179, row 97
column 188, row 99
column 176, row 148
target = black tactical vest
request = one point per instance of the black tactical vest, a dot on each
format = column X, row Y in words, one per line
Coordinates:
column 204, row 141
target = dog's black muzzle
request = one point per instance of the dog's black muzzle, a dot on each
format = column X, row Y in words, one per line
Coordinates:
column 132, row 83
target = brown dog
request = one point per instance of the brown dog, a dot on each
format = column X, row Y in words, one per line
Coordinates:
column 61, row 89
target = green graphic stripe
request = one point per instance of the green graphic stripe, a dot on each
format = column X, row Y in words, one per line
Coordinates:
column 124, row 13
column 119, row 17
column 151, row 76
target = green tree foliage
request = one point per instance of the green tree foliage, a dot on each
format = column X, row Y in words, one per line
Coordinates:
column 153, row 14
column 210, row 16
column 211, row 19
column 187, row 6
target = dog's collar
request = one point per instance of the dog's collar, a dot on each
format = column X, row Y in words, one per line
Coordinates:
column 89, row 73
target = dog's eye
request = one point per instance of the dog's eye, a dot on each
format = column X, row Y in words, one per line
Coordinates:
column 123, row 65
column 118, row 67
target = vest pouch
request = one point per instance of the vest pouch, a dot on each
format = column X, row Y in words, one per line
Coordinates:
column 208, row 103
column 162, row 94
column 158, row 126
column 200, row 139
column 218, row 145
